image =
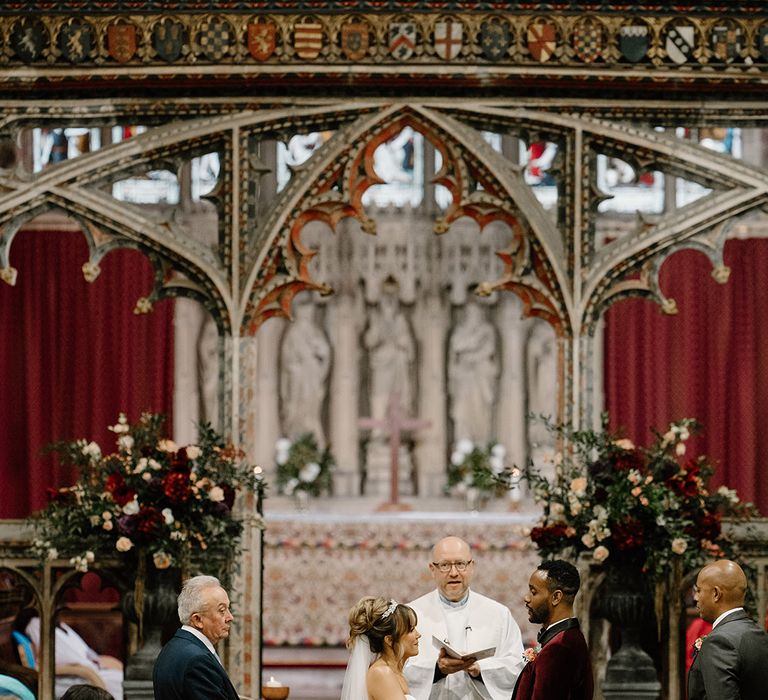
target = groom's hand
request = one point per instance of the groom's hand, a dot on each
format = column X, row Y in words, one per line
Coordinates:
column 448, row 665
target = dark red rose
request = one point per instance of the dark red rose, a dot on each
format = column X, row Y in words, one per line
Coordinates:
column 229, row 495
column 176, row 487
column 627, row 534
column 625, row 460
column 148, row 520
column 550, row 536
column 121, row 492
column 60, row 495
column 180, row 461
column 114, row 482
column 706, row 526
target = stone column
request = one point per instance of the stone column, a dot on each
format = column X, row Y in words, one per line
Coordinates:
column 343, row 329
column 510, row 428
column 431, row 327
column 265, row 419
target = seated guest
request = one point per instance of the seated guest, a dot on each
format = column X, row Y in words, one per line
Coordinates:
column 76, row 662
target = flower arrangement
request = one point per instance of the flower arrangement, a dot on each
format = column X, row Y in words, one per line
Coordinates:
column 150, row 498
column 303, row 466
column 475, row 467
column 623, row 505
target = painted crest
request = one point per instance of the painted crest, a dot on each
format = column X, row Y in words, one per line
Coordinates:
column 680, row 41
column 215, row 38
column 588, row 41
column 762, row 41
column 727, row 43
column 262, row 40
column 542, row 40
column 402, row 40
column 168, row 39
column 121, row 42
column 354, row 40
column 28, row 39
column 634, row 42
column 494, row 40
column 76, row 41
column 449, row 37
column 308, row 39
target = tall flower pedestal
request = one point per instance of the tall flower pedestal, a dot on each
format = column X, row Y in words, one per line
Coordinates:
column 160, row 609
column 630, row 673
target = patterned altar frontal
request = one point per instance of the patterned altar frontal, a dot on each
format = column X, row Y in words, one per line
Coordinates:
column 317, row 566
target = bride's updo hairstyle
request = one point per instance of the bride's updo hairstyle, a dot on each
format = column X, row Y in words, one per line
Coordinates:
column 377, row 618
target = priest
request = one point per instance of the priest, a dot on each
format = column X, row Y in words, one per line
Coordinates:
column 468, row 622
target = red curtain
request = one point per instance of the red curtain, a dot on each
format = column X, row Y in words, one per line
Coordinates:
column 708, row 362
column 73, row 355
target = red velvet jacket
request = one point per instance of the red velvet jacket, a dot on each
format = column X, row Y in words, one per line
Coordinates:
column 561, row 671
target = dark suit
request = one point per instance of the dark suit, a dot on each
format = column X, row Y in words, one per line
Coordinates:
column 561, row 671
column 732, row 663
column 186, row 670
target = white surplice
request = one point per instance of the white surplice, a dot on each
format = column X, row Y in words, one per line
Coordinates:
column 480, row 624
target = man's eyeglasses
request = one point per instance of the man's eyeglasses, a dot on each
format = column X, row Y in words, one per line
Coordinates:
column 445, row 566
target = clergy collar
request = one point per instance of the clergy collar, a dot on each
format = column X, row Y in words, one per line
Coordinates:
column 454, row 603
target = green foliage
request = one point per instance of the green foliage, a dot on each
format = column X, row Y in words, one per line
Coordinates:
column 474, row 466
column 303, row 466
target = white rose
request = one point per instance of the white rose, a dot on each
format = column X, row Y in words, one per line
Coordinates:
column 167, row 446
column 556, row 508
column 147, row 476
column 125, row 442
column 132, row 507
column 95, row 520
column 465, row 446
column 680, row 449
column 193, row 452
column 92, row 450
column 167, row 515
column 107, row 525
column 290, row 487
column 141, row 465
column 156, row 466
column 497, row 464
column 89, row 556
column 499, row 451
column 588, row 540
column 679, row 545
column 283, row 445
column 216, row 494
column 600, row 554
column 123, row 544
column 309, row 472
column 53, row 553
column 281, row 458
column 457, row 458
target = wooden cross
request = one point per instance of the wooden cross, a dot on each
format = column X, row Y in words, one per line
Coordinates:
column 395, row 423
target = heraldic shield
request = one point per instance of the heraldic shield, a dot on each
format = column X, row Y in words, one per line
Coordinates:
column 494, row 39
column 308, row 39
column 542, row 40
column 121, row 42
column 28, row 39
column 262, row 40
column 354, row 40
column 402, row 40
column 168, row 39
column 449, row 38
column 633, row 42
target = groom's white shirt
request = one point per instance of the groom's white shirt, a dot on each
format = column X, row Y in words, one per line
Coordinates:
column 489, row 624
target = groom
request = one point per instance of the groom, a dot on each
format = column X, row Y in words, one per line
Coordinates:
column 732, row 660
column 559, row 668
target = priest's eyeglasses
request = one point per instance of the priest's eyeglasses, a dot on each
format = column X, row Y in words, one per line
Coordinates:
column 445, row 566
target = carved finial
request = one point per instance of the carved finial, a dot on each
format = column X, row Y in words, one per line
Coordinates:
column 669, row 307
column 368, row 226
column 721, row 273
column 143, row 306
column 8, row 275
column 91, row 271
column 440, row 226
column 484, row 289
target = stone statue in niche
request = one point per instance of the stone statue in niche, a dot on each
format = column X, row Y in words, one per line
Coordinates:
column 306, row 359
column 392, row 351
column 541, row 354
column 473, row 368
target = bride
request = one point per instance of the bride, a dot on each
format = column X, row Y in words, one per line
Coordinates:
column 382, row 635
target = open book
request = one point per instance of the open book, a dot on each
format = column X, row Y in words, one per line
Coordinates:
column 479, row 654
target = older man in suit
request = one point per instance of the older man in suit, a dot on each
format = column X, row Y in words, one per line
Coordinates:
column 188, row 667
column 559, row 668
column 731, row 662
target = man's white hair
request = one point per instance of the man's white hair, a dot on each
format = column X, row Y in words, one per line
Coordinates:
column 191, row 596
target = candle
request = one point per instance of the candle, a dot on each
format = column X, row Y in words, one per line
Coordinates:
column 272, row 683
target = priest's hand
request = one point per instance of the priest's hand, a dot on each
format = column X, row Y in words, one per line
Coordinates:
column 474, row 670
column 448, row 665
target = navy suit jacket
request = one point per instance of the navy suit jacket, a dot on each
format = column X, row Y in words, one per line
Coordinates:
column 561, row 671
column 732, row 663
column 186, row 670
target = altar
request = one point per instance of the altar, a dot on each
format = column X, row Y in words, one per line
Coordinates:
column 317, row 564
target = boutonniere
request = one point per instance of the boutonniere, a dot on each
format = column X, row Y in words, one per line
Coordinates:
column 530, row 654
column 697, row 645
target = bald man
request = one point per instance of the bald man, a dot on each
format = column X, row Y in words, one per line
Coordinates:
column 469, row 622
column 732, row 663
